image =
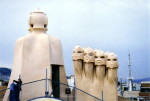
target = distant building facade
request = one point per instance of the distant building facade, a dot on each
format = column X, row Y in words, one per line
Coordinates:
column 144, row 94
column 71, row 81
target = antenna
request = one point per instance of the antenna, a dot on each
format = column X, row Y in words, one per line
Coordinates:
column 129, row 65
column 129, row 78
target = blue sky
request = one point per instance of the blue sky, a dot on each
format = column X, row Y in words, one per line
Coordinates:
column 119, row 26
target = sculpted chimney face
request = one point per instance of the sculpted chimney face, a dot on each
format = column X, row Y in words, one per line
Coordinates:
column 100, row 58
column 77, row 53
column 38, row 20
column 88, row 55
column 112, row 60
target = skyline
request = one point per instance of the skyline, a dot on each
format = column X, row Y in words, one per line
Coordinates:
column 116, row 26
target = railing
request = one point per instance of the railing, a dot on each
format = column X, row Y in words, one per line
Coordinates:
column 59, row 84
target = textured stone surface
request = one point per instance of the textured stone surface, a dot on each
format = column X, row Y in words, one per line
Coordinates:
column 34, row 53
column 95, row 71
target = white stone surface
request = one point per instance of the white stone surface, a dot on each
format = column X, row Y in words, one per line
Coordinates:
column 94, row 73
column 34, row 53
